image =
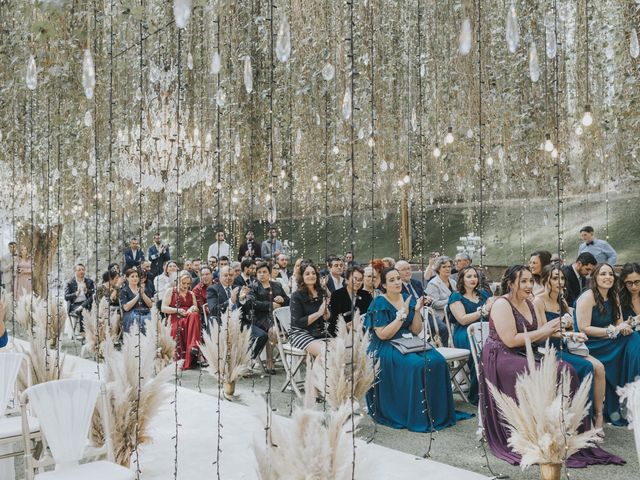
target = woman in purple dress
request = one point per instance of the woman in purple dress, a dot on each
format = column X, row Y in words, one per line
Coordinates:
column 511, row 322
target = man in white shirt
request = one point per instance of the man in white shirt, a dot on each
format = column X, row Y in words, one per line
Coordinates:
column 335, row 279
column 219, row 248
column 283, row 262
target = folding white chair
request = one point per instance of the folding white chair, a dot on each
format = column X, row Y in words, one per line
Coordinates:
column 11, row 425
column 457, row 358
column 292, row 358
column 64, row 409
column 478, row 333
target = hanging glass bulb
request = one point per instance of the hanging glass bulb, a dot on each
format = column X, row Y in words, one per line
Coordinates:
column 550, row 35
column 587, row 119
column 237, row 145
column 579, row 130
column 414, row 120
column 88, row 119
column 221, row 97
column 436, row 151
column 182, row 12
column 88, row 74
column 548, row 144
column 634, row 48
column 534, row 66
column 445, row 177
column 283, row 41
column 32, row 73
column 248, row 74
column 189, row 61
column 154, row 73
column 384, row 166
column 216, row 64
column 489, row 161
column 512, row 28
column 406, row 179
column 448, row 138
column 465, row 37
column 554, row 153
column 346, row 104
column 328, row 72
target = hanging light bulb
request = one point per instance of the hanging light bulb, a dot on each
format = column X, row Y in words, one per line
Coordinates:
column 182, row 12
column 465, row 37
column 554, row 153
column 548, row 144
column 448, row 138
column 283, row 41
column 634, row 48
column 579, row 130
column 406, row 179
column 346, row 104
column 489, row 161
column 88, row 74
column 534, row 66
column 512, row 28
column 436, row 151
column 248, row 74
column 328, row 72
column 550, row 35
column 32, row 73
column 216, row 64
column 587, row 119
column 189, row 61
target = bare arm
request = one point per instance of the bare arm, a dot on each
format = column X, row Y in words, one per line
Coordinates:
column 505, row 325
column 463, row 318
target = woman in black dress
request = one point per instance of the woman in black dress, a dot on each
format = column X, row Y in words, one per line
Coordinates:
column 265, row 297
column 309, row 311
column 343, row 299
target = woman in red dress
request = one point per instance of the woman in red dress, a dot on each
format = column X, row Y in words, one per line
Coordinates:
column 182, row 309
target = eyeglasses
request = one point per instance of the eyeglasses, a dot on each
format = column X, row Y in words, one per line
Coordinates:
column 634, row 283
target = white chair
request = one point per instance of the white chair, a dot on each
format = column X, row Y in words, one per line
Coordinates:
column 11, row 426
column 457, row 358
column 478, row 333
column 292, row 358
column 64, row 409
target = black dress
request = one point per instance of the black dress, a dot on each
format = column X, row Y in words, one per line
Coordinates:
column 340, row 304
column 258, row 308
column 301, row 333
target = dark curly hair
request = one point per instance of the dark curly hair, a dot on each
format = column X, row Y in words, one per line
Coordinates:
column 511, row 276
column 300, row 278
column 625, row 295
column 460, row 283
column 614, row 300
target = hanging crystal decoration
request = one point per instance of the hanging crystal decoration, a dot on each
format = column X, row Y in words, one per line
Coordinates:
column 328, row 72
column 346, row 104
column 534, row 66
column 272, row 212
column 414, row 120
column 190, row 61
column 88, row 119
column 154, row 73
column 248, row 74
column 88, row 74
column 512, row 29
column 384, row 166
column 237, row 146
column 634, row 49
column 550, row 35
column 32, row 74
column 216, row 64
column 283, row 41
column 465, row 37
column 182, row 12
column 221, row 97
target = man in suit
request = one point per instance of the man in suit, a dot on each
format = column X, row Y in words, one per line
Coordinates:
column 409, row 285
column 79, row 293
column 285, row 273
column 158, row 254
column 600, row 249
column 335, row 280
column 133, row 256
column 223, row 296
column 576, row 276
column 250, row 248
column 248, row 273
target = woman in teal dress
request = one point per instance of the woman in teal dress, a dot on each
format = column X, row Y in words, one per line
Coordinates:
column 551, row 306
column 630, row 291
column 398, row 398
column 611, row 340
column 466, row 306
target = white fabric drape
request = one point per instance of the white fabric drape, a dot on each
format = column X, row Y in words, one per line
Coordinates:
column 9, row 367
column 64, row 409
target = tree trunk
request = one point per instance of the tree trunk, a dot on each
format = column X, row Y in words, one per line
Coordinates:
column 43, row 252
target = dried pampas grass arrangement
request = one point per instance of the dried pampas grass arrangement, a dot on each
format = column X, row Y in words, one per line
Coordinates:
column 312, row 444
column 630, row 394
column 123, row 376
column 96, row 323
column 26, row 308
column 227, row 349
column 164, row 342
column 340, row 375
column 544, row 420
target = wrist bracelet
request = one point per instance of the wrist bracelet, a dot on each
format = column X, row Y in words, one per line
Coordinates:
column 612, row 332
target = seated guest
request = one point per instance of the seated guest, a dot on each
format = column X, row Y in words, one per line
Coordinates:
column 223, row 297
column 324, row 271
column 460, row 261
column 135, row 302
column 248, row 272
column 284, row 273
column 611, row 340
column 236, row 269
column 309, row 311
column 388, row 262
column 348, row 259
column 439, row 289
column 265, row 297
column 551, row 305
column 513, row 320
column 468, row 305
column 335, row 279
column 398, row 399
column 110, row 288
column 250, row 248
column 181, row 306
column 275, row 276
column 369, row 281
column 133, row 256
column 349, row 298
column 212, row 262
column 577, row 275
column 630, row 291
column 537, row 262
column 165, row 281
column 79, row 293
column 145, row 280
column 196, row 263
column 409, row 285
column 200, row 290
column 429, row 272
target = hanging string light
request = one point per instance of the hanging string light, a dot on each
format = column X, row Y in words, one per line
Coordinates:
column 587, row 119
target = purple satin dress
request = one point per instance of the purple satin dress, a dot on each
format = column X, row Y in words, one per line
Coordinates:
column 501, row 366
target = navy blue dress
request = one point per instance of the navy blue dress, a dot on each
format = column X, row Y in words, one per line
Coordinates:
column 460, row 338
column 397, row 398
column 620, row 357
